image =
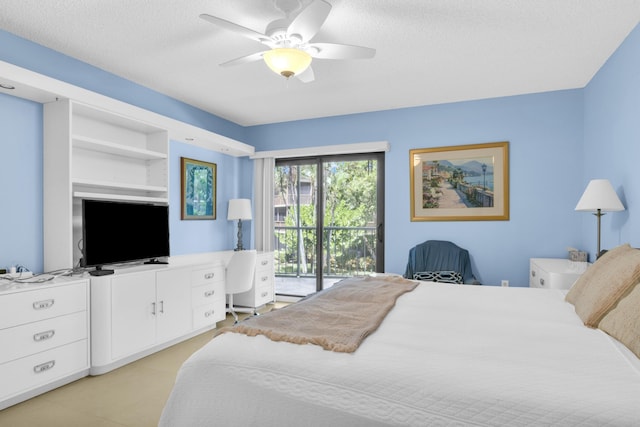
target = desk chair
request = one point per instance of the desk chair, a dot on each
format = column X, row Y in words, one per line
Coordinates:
column 239, row 276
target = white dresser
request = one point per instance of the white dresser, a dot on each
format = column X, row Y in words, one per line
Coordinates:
column 554, row 273
column 263, row 290
column 44, row 337
column 140, row 310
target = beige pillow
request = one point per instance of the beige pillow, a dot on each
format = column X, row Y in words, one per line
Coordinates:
column 623, row 321
column 602, row 285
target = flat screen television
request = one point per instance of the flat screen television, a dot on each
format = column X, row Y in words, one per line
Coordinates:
column 119, row 232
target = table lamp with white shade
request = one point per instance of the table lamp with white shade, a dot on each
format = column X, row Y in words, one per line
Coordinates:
column 599, row 197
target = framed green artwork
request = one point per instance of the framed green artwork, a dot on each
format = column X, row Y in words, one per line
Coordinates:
column 198, row 191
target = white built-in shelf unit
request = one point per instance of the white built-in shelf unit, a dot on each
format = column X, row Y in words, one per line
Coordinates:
column 96, row 147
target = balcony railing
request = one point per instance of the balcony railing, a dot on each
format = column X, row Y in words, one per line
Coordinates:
column 348, row 251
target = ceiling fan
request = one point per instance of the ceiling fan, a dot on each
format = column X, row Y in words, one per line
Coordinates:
column 289, row 40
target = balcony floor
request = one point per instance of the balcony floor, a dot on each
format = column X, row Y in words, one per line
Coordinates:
column 301, row 286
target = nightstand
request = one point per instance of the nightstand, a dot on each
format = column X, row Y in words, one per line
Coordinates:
column 554, row 273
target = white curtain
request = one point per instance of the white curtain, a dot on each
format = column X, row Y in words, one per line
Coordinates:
column 263, row 202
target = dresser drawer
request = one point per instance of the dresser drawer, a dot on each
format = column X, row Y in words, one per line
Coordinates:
column 263, row 278
column 554, row 273
column 206, row 275
column 39, row 369
column 31, row 306
column 264, row 262
column 264, row 295
column 43, row 335
column 207, row 315
column 538, row 278
column 206, row 294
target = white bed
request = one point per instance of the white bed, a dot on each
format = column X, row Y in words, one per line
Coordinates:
column 445, row 355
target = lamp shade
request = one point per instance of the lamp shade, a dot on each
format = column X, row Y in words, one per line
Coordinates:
column 599, row 194
column 239, row 209
column 287, row 61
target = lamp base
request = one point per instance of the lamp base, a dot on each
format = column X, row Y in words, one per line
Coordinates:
column 239, row 244
column 598, row 215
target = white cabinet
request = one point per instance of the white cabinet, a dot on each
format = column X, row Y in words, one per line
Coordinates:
column 96, row 154
column 263, row 290
column 554, row 273
column 132, row 319
column 140, row 310
column 149, row 307
column 173, row 303
column 44, row 337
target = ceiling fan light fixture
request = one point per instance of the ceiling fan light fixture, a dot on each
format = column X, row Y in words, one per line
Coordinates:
column 287, row 61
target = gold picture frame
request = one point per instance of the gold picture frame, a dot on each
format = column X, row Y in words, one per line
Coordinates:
column 198, row 189
column 460, row 183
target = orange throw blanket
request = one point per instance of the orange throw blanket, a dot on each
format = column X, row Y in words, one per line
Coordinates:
column 337, row 319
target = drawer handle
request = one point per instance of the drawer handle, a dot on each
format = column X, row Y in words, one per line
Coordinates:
column 265, row 278
column 542, row 281
column 264, row 262
column 42, row 305
column 209, row 276
column 209, row 313
column 264, row 294
column 533, row 273
column 41, row 336
column 209, row 293
column 44, row 367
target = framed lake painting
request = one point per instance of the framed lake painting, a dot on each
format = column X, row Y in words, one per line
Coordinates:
column 198, row 191
column 460, row 183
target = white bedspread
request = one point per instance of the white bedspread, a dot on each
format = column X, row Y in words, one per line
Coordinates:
column 445, row 355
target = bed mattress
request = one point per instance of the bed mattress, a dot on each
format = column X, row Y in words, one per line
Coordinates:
column 445, row 355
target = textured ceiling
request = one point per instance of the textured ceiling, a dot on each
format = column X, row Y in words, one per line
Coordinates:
column 428, row 51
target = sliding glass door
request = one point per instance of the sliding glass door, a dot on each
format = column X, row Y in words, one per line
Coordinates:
column 329, row 220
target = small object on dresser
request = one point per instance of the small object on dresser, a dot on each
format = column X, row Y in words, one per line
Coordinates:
column 576, row 255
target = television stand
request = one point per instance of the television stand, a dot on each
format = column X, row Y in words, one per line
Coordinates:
column 156, row 261
column 99, row 271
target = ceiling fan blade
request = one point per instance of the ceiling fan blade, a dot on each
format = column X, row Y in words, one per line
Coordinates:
column 239, row 29
column 309, row 21
column 244, row 59
column 340, row 51
column 307, row 75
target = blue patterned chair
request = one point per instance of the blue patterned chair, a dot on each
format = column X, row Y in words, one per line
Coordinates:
column 440, row 261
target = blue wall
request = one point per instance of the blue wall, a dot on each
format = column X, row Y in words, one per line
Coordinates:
column 612, row 142
column 558, row 141
column 545, row 141
column 20, row 183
